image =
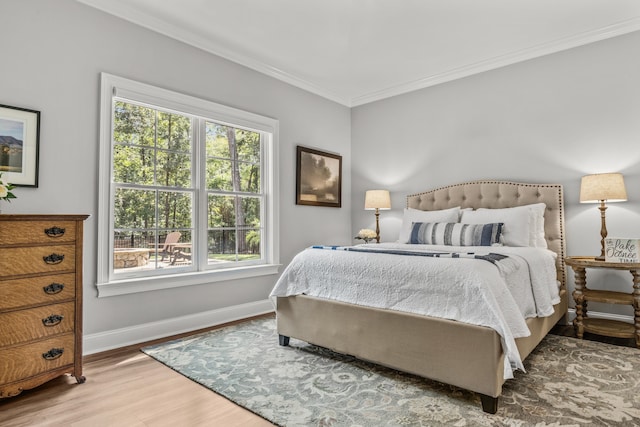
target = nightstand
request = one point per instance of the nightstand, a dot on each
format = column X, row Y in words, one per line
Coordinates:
column 582, row 295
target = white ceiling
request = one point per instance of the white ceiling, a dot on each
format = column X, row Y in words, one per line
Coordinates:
column 359, row 51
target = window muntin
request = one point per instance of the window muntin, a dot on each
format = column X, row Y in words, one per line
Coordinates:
column 221, row 250
column 234, row 194
column 153, row 188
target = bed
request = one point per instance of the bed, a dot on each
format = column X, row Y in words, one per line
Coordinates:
column 465, row 355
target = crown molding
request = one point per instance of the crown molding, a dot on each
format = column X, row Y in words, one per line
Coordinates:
column 621, row 28
column 124, row 11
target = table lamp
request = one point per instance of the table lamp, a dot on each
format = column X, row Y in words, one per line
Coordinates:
column 602, row 187
column 377, row 200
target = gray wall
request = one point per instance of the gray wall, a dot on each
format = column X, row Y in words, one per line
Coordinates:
column 551, row 119
column 53, row 53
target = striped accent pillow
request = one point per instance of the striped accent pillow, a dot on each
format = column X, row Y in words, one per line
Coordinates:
column 455, row 234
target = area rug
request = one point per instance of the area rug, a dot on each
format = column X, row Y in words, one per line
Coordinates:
column 569, row 382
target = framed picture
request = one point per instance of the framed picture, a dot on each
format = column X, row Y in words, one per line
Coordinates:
column 318, row 178
column 19, row 145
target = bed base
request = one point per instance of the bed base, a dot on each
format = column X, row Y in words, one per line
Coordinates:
column 463, row 355
column 456, row 353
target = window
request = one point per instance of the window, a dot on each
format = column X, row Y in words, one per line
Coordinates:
column 187, row 190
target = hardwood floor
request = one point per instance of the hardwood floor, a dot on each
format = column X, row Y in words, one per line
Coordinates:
column 124, row 388
column 127, row 388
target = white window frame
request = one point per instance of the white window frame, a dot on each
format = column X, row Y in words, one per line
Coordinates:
column 119, row 87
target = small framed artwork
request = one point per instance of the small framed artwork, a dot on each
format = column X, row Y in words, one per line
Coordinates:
column 19, row 145
column 318, row 178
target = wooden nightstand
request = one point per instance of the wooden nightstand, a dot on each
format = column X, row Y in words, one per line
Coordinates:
column 582, row 295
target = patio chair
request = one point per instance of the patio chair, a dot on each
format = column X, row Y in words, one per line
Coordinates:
column 181, row 254
column 166, row 248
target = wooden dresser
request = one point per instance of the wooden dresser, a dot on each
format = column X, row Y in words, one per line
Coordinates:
column 40, row 300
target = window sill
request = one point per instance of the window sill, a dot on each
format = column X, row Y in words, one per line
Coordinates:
column 131, row 286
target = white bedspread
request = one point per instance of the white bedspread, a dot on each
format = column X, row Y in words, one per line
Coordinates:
column 500, row 296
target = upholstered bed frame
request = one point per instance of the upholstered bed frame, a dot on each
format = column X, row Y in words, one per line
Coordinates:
column 451, row 352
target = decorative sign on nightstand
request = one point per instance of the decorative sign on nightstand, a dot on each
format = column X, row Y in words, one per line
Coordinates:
column 622, row 250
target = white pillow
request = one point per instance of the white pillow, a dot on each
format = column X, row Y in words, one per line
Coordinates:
column 537, row 212
column 463, row 210
column 523, row 225
column 416, row 215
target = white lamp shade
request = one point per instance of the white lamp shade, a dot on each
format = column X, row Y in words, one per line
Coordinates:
column 602, row 186
column 377, row 199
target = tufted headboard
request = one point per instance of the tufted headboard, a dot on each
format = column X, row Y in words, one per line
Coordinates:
column 503, row 194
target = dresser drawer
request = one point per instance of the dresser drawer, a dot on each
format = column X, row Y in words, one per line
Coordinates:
column 34, row 323
column 40, row 299
column 37, row 259
column 23, row 361
column 40, row 290
column 34, row 232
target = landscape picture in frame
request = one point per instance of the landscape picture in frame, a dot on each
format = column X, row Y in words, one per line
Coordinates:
column 19, row 145
column 318, row 178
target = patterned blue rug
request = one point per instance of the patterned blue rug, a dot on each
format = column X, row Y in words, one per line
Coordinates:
column 569, row 382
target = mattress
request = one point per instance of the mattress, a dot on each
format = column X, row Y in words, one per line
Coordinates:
column 456, row 283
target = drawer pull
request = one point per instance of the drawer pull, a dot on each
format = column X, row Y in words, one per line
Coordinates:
column 52, row 320
column 53, row 288
column 54, row 231
column 53, row 354
column 53, row 259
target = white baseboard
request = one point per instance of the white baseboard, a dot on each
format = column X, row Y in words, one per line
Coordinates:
column 109, row 340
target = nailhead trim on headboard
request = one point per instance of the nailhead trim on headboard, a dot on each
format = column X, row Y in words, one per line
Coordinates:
column 503, row 194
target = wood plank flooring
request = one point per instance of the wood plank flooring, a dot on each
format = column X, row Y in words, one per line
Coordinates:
column 127, row 388
column 124, row 388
